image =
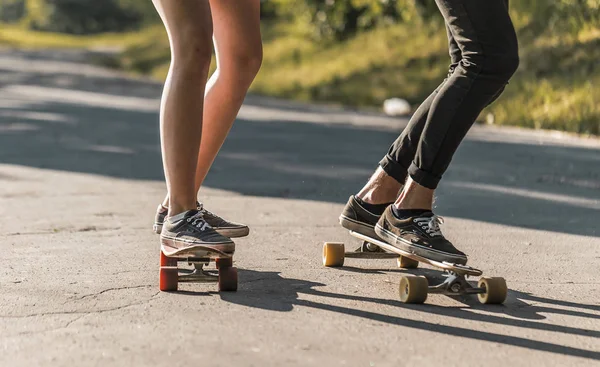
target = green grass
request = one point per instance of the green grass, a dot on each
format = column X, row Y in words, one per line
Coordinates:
column 556, row 87
column 363, row 71
column 18, row 36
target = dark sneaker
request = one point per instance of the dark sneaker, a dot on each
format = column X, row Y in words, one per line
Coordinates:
column 222, row 226
column 356, row 218
column 420, row 235
column 189, row 229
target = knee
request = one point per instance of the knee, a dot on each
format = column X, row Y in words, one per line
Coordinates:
column 499, row 65
column 253, row 62
column 512, row 63
column 503, row 63
column 244, row 64
column 192, row 52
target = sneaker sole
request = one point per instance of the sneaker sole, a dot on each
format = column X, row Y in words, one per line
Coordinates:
column 235, row 232
column 422, row 251
column 227, row 232
column 359, row 227
column 178, row 243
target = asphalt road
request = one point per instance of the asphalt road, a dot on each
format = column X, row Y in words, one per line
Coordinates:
column 80, row 178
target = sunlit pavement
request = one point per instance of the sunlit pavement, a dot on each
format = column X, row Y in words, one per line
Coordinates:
column 80, row 178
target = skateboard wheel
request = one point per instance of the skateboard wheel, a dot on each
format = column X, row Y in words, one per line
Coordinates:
column 168, row 277
column 413, row 289
column 224, row 262
column 333, row 254
column 495, row 290
column 228, row 279
column 167, row 261
column 406, row 263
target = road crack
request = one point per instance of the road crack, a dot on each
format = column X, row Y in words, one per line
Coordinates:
column 78, row 312
column 110, row 290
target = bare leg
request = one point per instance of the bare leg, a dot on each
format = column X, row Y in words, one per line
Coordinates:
column 189, row 27
column 238, row 48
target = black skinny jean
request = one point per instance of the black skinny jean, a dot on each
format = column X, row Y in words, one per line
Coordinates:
column 484, row 55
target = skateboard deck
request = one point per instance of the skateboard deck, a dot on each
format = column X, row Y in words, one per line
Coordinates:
column 457, row 268
column 414, row 289
column 194, row 251
column 198, row 256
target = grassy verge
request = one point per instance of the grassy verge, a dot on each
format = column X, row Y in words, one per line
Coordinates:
column 19, row 37
column 557, row 85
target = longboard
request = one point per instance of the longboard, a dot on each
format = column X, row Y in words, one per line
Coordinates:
column 414, row 289
column 457, row 268
column 199, row 256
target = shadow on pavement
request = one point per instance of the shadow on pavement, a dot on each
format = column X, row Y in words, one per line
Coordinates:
column 519, row 308
column 81, row 122
column 270, row 291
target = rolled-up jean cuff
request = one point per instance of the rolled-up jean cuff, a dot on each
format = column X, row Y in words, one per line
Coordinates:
column 423, row 178
column 394, row 169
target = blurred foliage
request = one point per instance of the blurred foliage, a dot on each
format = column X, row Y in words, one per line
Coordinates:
column 360, row 52
column 324, row 19
column 11, row 11
column 79, row 16
column 338, row 20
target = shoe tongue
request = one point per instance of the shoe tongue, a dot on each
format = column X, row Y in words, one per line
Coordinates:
column 184, row 215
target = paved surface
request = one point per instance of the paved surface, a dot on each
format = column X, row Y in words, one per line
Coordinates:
column 80, row 177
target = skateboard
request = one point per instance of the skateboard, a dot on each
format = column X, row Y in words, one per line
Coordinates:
column 199, row 256
column 414, row 289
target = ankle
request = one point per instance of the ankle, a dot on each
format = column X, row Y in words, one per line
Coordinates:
column 408, row 213
column 377, row 197
column 376, row 209
column 380, row 189
column 414, row 205
column 415, row 196
column 178, row 208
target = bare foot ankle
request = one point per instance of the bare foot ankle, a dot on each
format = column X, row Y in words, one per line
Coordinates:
column 380, row 189
column 176, row 207
column 415, row 196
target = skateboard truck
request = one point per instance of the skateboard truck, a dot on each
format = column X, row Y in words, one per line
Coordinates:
column 370, row 251
column 225, row 275
column 197, row 275
column 454, row 285
column 369, row 247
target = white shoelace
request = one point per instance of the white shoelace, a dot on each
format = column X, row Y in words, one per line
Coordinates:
column 204, row 211
column 198, row 221
column 430, row 225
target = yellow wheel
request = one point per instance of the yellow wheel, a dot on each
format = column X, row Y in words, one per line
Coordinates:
column 406, row 263
column 333, row 254
column 413, row 289
column 495, row 291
